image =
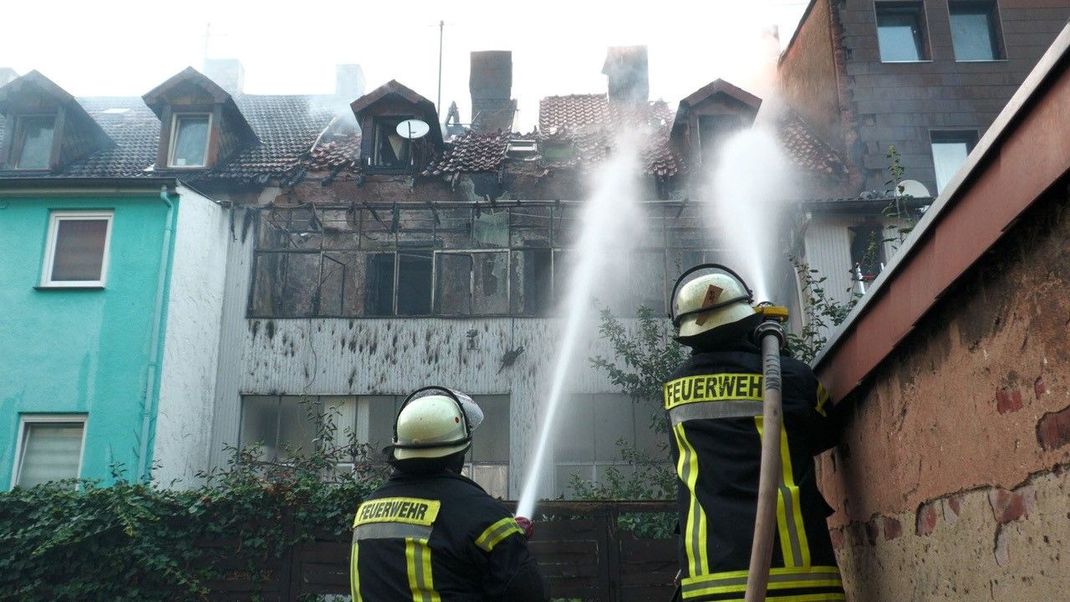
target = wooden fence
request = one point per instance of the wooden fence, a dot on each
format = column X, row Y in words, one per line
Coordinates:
column 582, row 550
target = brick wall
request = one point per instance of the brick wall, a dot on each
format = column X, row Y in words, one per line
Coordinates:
column 951, row 480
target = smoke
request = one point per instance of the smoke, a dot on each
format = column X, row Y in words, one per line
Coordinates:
column 750, row 185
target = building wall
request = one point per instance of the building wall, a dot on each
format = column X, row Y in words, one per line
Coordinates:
column 808, row 77
column 79, row 351
column 901, row 103
column 397, row 356
column 951, row 479
column 191, row 351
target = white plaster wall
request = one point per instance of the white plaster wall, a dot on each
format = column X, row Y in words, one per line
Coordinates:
column 227, row 406
column 191, row 344
column 396, row 356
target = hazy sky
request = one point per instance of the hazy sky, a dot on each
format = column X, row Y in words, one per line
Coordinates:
column 126, row 47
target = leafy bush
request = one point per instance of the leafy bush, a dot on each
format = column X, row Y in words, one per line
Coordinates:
column 134, row 541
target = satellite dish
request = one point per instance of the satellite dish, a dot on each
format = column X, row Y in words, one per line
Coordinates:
column 914, row 189
column 413, row 129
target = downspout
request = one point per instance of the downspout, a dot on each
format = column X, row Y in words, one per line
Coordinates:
column 151, row 396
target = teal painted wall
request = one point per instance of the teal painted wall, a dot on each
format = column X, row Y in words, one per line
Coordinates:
column 79, row 351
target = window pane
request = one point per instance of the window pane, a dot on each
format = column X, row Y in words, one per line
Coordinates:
column 35, row 142
column 899, row 33
column 972, row 33
column 50, row 452
column 453, row 283
column 414, row 283
column 574, row 435
column 191, row 141
column 297, row 426
column 490, row 290
column 260, row 424
column 490, row 442
column 391, row 150
column 531, row 282
column 379, row 285
column 494, row 478
column 79, row 251
column 614, row 419
column 381, row 410
column 949, row 153
column 867, row 249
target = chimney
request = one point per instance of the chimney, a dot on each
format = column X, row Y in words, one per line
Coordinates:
column 348, row 81
column 228, row 73
column 7, row 74
column 491, row 85
column 626, row 69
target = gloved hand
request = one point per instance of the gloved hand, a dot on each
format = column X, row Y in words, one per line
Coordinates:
column 525, row 525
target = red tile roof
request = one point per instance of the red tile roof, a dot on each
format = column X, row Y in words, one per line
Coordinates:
column 805, row 150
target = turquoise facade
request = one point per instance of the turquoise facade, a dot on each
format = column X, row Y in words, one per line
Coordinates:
column 84, row 351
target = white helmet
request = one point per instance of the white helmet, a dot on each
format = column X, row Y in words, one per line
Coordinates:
column 434, row 422
column 708, row 296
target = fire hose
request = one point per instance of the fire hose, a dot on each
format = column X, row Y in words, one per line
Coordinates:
column 770, row 334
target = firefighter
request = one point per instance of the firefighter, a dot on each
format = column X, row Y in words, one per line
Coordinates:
column 714, row 405
column 429, row 533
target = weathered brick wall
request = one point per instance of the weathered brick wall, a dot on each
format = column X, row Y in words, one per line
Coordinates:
column 951, row 480
column 900, row 103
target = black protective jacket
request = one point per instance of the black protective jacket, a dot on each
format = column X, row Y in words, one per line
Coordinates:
column 439, row 537
column 714, row 401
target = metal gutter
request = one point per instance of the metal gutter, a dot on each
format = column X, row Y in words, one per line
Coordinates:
column 960, row 225
column 61, row 185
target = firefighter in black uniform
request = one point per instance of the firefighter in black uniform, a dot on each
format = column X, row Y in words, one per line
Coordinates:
column 429, row 533
column 714, row 402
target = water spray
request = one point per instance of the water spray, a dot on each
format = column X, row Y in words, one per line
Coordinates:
column 770, row 335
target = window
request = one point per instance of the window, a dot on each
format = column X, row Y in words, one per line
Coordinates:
column 77, row 251
column 867, row 249
column 33, row 142
column 49, row 449
column 950, row 150
column 975, row 31
column 901, row 32
column 285, row 427
column 471, row 283
column 390, row 151
column 713, row 130
column 414, row 283
column 189, row 140
column 585, row 442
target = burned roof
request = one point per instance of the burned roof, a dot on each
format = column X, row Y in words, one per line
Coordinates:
column 805, row 150
column 577, row 111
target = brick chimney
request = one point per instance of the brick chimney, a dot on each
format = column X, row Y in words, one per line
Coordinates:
column 7, row 74
column 348, row 81
column 626, row 69
column 228, row 73
column 491, row 85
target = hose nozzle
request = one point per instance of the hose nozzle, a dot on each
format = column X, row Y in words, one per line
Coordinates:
column 525, row 525
column 773, row 319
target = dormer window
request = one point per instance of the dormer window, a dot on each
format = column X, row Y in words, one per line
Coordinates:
column 189, row 140
column 392, row 151
column 33, row 141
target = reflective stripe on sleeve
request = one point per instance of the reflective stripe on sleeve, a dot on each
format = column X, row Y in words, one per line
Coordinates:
column 780, row 578
column 495, row 533
column 694, row 531
column 418, row 567
column 822, row 399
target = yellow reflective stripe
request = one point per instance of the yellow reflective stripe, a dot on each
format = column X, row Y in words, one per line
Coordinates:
column 781, row 517
column 822, row 399
column 830, row 597
column 418, row 567
column 354, row 576
column 780, row 578
column 495, row 533
column 712, row 387
column 695, row 530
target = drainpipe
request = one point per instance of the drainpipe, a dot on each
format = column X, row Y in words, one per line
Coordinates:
column 770, row 333
column 151, row 396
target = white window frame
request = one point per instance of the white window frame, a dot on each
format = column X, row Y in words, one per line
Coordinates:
column 50, row 248
column 25, row 420
column 174, row 138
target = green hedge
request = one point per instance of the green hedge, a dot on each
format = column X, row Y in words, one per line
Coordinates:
column 133, row 541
